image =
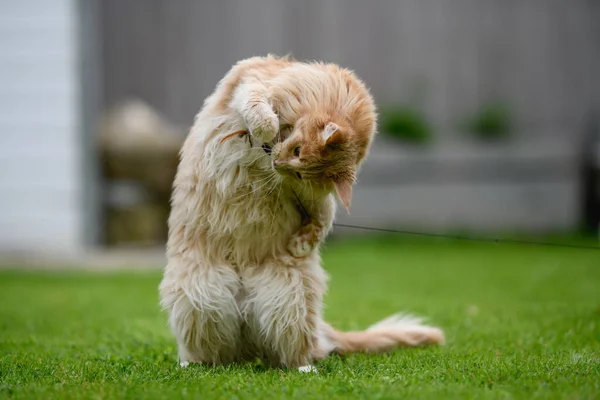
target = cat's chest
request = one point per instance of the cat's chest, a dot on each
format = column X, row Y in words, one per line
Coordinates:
column 259, row 219
column 262, row 230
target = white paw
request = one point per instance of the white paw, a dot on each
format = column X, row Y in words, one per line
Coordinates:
column 305, row 240
column 262, row 122
column 300, row 246
column 184, row 364
column 307, row 368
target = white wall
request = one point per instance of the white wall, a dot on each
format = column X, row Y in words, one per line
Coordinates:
column 41, row 167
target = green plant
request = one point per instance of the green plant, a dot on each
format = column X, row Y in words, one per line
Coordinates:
column 492, row 122
column 406, row 124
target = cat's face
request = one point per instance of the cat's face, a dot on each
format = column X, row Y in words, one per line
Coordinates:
column 327, row 120
column 319, row 153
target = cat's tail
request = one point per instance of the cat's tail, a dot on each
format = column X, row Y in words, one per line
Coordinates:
column 395, row 331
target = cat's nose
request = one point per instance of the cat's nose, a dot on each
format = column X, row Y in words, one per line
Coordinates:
column 277, row 164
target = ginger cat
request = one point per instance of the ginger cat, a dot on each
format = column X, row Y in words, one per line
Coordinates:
column 253, row 199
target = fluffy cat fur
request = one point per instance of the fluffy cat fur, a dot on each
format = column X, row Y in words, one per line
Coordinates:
column 253, row 199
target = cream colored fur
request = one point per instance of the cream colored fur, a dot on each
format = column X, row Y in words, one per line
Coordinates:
column 244, row 276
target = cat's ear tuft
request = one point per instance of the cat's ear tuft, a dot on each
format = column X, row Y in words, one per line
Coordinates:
column 332, row 135
column 343, row 190
column 329, row 130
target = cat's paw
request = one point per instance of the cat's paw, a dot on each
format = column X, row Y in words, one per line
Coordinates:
column 305, row 240
column 262, row 122
column 307, row 369
column 299, row 247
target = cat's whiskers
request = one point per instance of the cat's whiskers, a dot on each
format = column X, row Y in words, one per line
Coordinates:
column 274, row 181
column 262, row 179
column 274, row 210
column 312, row 193
column 268, row 179
column 259, row 157
column 269, row 192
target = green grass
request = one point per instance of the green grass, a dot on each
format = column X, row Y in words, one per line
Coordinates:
column 521, row 322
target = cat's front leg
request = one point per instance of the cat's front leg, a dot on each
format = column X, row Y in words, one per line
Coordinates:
column 251, row 101
column 305, row 240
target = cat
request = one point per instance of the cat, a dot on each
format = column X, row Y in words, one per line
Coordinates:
column 254, row 197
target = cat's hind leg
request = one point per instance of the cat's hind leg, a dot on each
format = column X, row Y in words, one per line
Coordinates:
column 203, row 312
column 283, row 310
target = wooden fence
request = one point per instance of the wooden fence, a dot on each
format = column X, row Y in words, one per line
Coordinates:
column 448, row 56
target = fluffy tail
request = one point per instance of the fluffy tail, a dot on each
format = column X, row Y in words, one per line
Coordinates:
column 396, row 331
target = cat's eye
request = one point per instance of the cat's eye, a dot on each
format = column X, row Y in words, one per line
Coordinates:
column 299, row 175
column 297, row 151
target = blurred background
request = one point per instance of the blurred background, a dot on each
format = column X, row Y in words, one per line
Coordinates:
column 487, row 110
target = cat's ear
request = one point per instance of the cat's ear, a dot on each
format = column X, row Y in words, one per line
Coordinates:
column 332, row 135
column 329, row 130
column 343, row 190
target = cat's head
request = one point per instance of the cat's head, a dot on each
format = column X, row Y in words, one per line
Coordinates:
column 320, row 153
column 327, row 122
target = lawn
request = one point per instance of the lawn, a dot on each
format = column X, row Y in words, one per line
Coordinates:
column 521, row 322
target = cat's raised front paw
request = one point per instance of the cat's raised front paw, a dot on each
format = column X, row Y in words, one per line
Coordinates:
column 305, row 240
column 262, row 122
